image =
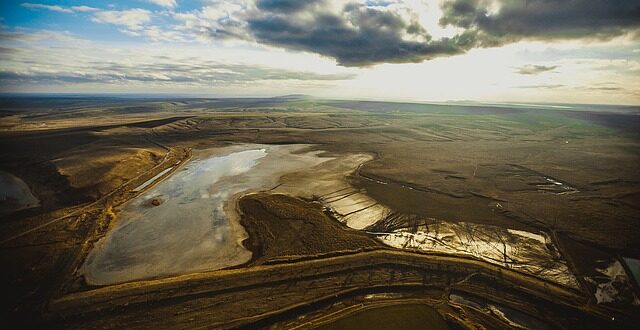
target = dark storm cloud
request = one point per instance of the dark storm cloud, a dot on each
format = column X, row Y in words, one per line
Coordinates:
column 357, row 36
column 534, row 69
column 367, row 34
column 542, row 19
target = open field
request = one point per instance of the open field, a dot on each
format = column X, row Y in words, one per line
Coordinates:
column 568, row 178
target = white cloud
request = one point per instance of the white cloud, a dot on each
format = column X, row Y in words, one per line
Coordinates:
column 59, row 9
column 231, row 62
column 42, row 62
column 132, row 19
column 84, row 9
column 164, row 3
column 156, row 34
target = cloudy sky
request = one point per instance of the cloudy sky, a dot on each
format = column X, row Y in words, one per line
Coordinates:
column 571, row 51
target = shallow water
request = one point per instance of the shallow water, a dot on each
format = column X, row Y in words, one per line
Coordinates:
column 195, row 227
column 15, row 194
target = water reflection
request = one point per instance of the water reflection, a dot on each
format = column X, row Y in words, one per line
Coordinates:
column 531, row 253
column 187, row 223
column 188, row 231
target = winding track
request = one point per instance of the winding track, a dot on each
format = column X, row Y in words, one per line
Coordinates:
column 302, row 283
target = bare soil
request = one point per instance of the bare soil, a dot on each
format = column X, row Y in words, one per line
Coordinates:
column 83, row 157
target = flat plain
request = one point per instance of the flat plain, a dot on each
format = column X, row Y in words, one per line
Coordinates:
column 504, row 177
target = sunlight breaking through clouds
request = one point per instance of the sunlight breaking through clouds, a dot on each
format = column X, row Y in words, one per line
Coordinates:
column 439, row 40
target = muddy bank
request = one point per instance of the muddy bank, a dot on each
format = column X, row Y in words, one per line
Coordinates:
column 282, row 227
column 329, row 184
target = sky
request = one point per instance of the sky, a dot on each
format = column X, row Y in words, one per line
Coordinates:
column 559, row 51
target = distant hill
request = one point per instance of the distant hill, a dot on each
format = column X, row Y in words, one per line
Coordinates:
column 294, row 97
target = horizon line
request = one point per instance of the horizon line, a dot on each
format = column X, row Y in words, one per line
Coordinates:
column 161, row 95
